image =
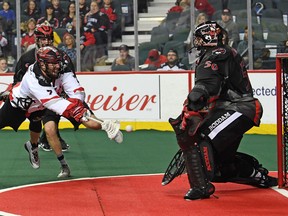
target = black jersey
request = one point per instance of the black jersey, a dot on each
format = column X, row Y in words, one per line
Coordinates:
column 222, row 72
column 221, row 69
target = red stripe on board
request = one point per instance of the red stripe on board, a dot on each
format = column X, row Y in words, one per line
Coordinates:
column 138, row 195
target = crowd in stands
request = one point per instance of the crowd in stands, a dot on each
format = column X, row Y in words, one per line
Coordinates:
column 101, row 22
column 269, row 29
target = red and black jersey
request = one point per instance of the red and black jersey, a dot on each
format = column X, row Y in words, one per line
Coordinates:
column 111, row 13
column 98, row 22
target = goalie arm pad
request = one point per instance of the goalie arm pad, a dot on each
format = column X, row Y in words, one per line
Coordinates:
column 197, row 98
column 76, row 110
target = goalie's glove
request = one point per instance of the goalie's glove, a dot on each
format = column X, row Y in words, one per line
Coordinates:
column 197, row 98
column 76, row 110
column 193, row 116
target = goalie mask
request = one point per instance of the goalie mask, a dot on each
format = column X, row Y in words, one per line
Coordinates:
column 207, row 34
column 50, row 60
column 44, row 35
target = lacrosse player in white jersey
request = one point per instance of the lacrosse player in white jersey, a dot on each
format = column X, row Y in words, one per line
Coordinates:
column 39, row 92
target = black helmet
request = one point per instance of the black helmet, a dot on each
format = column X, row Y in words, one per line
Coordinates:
column 209, row 33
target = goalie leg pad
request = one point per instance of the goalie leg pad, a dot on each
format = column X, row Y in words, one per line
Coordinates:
column 198, row 179
column 207, row 157
column 199, row 164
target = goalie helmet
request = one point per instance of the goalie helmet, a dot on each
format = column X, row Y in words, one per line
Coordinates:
column 44, row 31
column 207, row 34
column 52, row 58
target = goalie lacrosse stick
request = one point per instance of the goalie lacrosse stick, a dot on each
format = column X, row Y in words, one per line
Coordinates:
column 175, row 168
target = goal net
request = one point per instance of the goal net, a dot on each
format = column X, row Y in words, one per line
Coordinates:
column 282, row 117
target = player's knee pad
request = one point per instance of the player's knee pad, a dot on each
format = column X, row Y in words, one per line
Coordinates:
column 35, row 126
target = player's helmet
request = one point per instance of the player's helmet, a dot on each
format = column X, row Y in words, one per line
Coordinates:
column 50, row 55
column 44, row 31
column 207, row 34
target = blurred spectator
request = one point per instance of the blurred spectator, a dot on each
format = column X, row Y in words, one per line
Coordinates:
column 8, row 13
column 154, row 60
column 201, row 18
column 258, row 49
column 84, row 8
column 114, row 31
column 8, row 21
column 124, row 59
column 28, row 38
column 230, row 26
column 98, row 23
column 69, row 47
column 204, row 6
column 3, row 65
column 3, row 45
column 31, row 11
column 283, row 48
column 108, row 8
column 67, row 20
column 176, row 8
column 89, row 52
column 49, row 16
column 172, row 62
column 86, row 37
column 58, row 12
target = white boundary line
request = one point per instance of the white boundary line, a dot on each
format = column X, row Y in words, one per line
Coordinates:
column 7, row 214
column 79, row 179
column 283, row 192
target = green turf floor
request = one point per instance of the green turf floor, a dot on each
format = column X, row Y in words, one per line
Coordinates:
column 92, row 154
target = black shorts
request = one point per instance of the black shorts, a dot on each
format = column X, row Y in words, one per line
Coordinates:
column 52, row 116
column 225, row 129
column 14, row 117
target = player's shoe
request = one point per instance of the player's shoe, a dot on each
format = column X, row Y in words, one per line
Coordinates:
column 45, row 146
column 262, row 179
column 65, row 171
column 33, row 154
column 200, row 193
column 112, row 129
column 64, row 145
column 43, row 143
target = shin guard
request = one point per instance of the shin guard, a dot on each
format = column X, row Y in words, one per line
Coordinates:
column 198, row 179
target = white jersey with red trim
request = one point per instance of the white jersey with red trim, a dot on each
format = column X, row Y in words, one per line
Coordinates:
column 35, row 93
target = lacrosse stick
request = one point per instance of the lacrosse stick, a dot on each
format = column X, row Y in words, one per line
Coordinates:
column 89, row 117
column 112, row 128
column 175, row 168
